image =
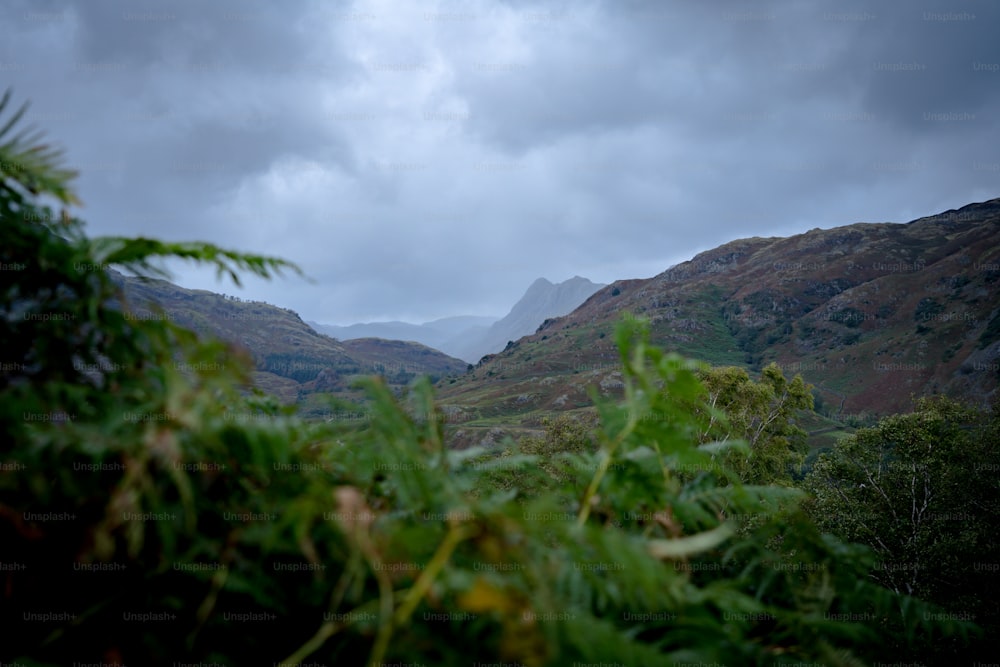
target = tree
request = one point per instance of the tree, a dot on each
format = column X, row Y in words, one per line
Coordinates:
column 563, row 435
column 921, row 490
column 762, row 414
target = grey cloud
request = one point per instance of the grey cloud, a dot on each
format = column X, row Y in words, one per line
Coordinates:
column 434, row 159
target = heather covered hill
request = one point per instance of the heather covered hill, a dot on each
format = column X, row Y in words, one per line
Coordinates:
column 291, row 358
column 868, row 313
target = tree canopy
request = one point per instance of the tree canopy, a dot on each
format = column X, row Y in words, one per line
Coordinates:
column 921, row 490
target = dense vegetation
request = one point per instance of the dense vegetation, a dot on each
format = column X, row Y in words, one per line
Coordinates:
column 921, row 490
column 152, row 513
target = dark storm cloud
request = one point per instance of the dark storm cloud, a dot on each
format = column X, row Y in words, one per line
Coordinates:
column 434, row 158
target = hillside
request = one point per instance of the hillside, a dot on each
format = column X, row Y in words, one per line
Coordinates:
column 869, row 313
column 292, row 359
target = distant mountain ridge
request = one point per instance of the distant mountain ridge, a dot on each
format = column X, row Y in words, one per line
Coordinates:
column 447, row 334
column 471, row 338
column 542, row 301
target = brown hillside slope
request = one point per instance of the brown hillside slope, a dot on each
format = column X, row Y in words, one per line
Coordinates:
column 291, row 359
column 869, row 313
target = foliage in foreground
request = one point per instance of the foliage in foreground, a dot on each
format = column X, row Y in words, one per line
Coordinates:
column 150, row 514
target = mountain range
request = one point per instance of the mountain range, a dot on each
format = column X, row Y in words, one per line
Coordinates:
column 871, row 314
column 470, row 338
column 451, row 335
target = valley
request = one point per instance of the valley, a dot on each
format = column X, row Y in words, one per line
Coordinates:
column 555, row 334
column 869, row 314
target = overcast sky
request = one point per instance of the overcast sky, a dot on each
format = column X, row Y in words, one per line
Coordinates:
column 424, row 159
